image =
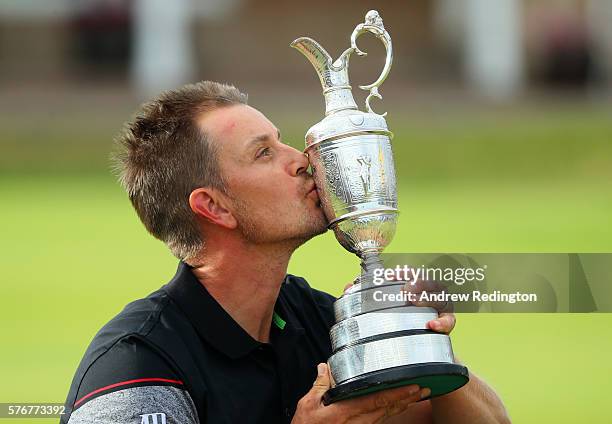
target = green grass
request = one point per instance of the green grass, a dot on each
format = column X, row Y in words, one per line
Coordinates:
column 74, row 253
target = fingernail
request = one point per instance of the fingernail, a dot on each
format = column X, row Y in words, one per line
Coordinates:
column 321, row 369
column 413, row 390
column 425, row 392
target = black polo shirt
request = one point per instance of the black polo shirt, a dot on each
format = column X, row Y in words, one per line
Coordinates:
column 177, row 356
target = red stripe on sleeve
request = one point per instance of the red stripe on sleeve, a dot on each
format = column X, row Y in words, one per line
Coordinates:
column 124, row 383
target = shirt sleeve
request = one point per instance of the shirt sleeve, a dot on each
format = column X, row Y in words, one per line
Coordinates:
column 131, row 383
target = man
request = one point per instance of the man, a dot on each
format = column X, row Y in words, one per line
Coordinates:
column 232, row 338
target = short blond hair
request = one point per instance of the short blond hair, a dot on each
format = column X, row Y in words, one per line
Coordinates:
column 163, row 155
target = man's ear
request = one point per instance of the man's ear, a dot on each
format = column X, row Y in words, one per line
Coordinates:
column 210, row 204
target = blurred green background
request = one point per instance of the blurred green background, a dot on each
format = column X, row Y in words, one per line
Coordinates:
column 528, row 173
column 74, row 252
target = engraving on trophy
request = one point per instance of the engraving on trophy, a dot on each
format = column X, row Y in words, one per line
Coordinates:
column 365, row 163
column 352, row 328
column 365, row 171
column 354, row 174
column 333, row 176
column 388, row 170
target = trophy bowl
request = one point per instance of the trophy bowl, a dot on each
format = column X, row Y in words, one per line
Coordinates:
column 355, row 178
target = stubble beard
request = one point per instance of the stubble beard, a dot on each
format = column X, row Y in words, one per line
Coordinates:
column 257, row 230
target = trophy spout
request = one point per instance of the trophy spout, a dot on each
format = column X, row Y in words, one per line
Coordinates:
column 333, row 75
column 317, row 56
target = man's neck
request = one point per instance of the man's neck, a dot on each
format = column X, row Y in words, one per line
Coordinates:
column 245, row 280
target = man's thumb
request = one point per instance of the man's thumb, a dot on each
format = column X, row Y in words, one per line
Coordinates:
column 322, row 383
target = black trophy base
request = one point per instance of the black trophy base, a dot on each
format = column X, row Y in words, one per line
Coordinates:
column 441, row 378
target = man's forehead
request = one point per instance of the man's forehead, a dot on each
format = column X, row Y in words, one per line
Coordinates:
column 236, row 124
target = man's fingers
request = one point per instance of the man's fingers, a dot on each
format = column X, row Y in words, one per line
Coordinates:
column 380, row 401
column 382, row 414
column 352, row 283
column 323, row 381
column 373, row 408
column 441, row 307
column 375, row 417
column 443, row 324
column 423, row 285
column 430, row 288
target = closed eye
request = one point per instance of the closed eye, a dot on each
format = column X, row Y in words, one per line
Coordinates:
column 265, row 151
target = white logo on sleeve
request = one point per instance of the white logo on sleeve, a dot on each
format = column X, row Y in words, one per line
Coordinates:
column 157, row 418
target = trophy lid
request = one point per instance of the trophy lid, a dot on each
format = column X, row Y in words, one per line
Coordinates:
column 346, row 123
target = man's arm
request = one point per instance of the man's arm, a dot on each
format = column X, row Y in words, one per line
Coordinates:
column 129, row 383
column 134, row 405
column 474, row 403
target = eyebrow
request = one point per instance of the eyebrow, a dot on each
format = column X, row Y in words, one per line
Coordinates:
column 262, row 137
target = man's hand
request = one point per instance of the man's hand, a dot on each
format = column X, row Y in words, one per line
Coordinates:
column 373, row 408
column 446, row 318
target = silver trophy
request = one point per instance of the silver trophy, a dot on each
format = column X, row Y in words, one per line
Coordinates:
column 376, row 344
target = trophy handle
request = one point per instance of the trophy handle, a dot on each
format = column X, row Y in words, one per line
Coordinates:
column 374, row 24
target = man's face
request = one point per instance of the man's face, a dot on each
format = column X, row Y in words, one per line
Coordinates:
column 272, row 195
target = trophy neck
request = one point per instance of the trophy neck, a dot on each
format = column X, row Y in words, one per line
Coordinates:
column 339, row 98
column 371, row 261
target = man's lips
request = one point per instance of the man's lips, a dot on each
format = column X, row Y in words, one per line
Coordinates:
column 312, row 191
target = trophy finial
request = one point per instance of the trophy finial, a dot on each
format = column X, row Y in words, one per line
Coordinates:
column 373, row 18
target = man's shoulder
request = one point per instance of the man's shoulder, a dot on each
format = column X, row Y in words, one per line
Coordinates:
column 129, row 357
column 298, row 286
column 137, row 317
column 127, row 382
column 307, row 303
column 137, row 320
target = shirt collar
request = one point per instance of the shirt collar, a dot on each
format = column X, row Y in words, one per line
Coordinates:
column 212, row 322
column 209, row 318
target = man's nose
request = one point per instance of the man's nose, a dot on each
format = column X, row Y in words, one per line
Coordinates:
column 299, row 163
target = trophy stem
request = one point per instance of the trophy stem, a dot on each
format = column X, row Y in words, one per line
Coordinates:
column 369, row 262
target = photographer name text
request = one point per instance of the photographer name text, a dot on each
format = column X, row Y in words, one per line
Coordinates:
column 474, row 296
